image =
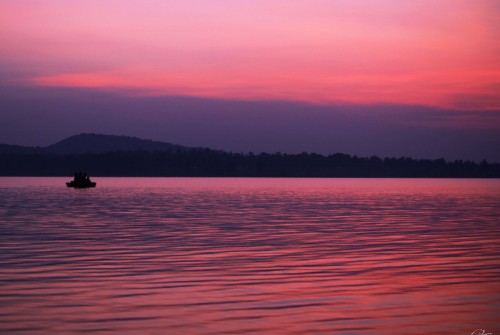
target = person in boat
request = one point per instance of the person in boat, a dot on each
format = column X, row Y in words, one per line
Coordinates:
column 81, row 180
column 81, row 177
column 78, row 177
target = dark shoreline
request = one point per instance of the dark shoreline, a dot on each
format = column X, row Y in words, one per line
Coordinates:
column 210, row 163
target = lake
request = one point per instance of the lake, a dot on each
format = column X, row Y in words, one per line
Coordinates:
column 250, row 256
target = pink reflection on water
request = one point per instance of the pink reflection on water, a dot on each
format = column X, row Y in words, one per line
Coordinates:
column 237, row 256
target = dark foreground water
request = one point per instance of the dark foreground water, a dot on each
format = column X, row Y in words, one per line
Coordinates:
column 243, row 256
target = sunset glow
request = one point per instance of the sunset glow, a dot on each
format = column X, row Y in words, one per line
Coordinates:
column 441, row 54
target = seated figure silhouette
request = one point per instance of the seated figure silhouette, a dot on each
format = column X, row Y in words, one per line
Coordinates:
column 81, row 180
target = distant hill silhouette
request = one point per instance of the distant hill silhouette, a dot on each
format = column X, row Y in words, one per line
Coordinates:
column 18, row 149
column 108, row 155
column 97, row 143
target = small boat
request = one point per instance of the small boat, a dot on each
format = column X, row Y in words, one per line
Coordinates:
column 81, row 184
column 81, row 180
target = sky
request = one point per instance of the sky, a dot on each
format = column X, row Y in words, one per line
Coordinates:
column 382, row 77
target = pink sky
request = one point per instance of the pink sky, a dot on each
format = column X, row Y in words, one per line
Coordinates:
column 441, row 53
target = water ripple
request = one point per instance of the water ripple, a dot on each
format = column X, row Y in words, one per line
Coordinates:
column 249, row 256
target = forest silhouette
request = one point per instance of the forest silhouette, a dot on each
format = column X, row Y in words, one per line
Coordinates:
column 212, row 163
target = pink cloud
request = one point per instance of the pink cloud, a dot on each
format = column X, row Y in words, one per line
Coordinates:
column 423, row 52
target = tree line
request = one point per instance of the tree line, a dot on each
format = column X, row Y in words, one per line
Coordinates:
column 210, row 163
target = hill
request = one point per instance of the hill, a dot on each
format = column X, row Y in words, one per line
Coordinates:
column 107, row 155
column 97, row 144
column 18, row 149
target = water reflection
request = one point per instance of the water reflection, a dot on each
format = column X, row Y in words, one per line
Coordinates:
column 240, row 256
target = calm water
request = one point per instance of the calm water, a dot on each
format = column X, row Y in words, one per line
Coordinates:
column 243, row 256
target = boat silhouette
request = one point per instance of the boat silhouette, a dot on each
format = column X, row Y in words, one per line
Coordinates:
column 81, row 180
